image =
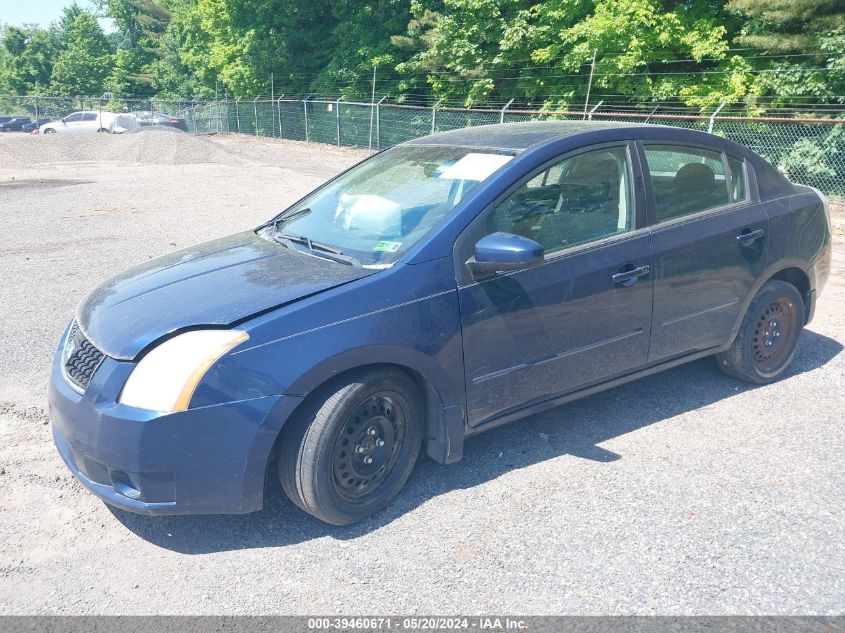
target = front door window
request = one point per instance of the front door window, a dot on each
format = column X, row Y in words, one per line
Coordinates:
column 581, row 199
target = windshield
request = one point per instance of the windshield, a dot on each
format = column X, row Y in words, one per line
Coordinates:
column 381, row 208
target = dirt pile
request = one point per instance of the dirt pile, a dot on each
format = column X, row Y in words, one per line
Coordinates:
column 155, row 146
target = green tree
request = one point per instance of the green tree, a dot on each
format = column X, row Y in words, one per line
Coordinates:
column 128, row 77
column 83, row 66
column 811, row 31
column 327, row 47
column 789, row 25
column 141, row 25
column 141, row 21
column 27, row 58
column 476, row 50
column 173, row 74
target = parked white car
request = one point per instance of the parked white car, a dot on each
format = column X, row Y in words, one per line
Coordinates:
column 92, row 121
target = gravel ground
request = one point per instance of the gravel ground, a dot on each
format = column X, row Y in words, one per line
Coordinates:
column 682, row 493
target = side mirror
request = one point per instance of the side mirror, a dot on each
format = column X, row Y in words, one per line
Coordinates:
column 499, row 252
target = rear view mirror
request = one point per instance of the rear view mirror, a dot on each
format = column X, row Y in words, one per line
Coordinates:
column 501, row 252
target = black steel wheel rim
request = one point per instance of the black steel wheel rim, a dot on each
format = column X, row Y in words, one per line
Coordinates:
column 369, row 446
column 773, row 333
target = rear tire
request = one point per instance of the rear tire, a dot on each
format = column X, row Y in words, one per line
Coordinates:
column 768, row 336
column 49, row 130
column 346, row 454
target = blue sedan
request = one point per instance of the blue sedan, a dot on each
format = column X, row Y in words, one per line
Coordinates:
column 440, row 288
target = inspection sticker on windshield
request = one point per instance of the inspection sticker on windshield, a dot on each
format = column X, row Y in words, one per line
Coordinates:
column 386, row 246
column 475, row 166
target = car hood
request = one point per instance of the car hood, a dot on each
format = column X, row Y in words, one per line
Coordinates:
column 215, row 283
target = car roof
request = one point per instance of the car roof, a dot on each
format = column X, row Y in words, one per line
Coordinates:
column 518, row 136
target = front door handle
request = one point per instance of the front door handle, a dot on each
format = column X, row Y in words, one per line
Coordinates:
column 748, row 237
column 629, row 275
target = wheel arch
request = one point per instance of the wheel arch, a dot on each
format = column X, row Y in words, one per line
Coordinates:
column 801, row 280
column 792, row 272
column 444, row 409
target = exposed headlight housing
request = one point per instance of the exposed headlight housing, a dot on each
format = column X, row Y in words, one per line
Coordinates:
column 167, row 376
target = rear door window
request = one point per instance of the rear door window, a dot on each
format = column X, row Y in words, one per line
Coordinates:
column 89, row 116
column 686, row 180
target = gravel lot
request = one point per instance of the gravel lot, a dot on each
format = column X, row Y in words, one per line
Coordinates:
column 683, row 493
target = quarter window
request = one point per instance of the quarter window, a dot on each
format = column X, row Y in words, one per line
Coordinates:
column 685, row 180
column 577, row 200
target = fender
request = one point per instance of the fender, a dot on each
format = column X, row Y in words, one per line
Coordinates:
column 410, row 359
column 768, row 274
column 445, row 396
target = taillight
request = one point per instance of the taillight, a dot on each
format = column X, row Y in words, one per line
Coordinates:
column 173, row 121
column 35, row 131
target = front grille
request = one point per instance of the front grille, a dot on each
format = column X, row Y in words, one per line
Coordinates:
column 80, row 359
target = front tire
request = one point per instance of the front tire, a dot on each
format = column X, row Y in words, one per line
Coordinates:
column 768, row 335
column 49, row 130
column 346, row 454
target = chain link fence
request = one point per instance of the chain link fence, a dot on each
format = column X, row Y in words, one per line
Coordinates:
column 200, row 117
column 808, row 150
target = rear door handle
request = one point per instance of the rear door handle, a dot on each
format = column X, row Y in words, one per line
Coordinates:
column 748, row 237
column 628, row 276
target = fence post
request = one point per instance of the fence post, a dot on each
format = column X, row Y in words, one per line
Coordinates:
column 279, row 110
column 238, row 113
column 378, row 123
column 255, row 113
column 502, row 111
column 337, row 119
column 372, row 107
column 590, row 83
column 593, row 109
column 434, row 114
column 713, row 117
column 305, row 112
column 36, row 107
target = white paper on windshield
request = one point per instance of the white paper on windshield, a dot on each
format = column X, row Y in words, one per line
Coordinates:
column 366, row 212
column 475, row 166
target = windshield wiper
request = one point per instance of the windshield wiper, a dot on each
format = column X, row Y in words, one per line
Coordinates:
column 311, row 244
column 318, row 248
column 274, row 224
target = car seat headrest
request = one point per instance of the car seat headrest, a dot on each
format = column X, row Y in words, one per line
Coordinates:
column 695, row 177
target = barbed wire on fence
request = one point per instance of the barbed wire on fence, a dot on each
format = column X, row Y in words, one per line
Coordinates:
column 809, row 149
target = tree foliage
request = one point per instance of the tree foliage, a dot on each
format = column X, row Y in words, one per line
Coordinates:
column 84, row 63
column 461, row 51
column 788, row 25
column 27, row 59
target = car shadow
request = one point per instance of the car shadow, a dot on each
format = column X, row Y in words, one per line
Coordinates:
column 575, row 429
